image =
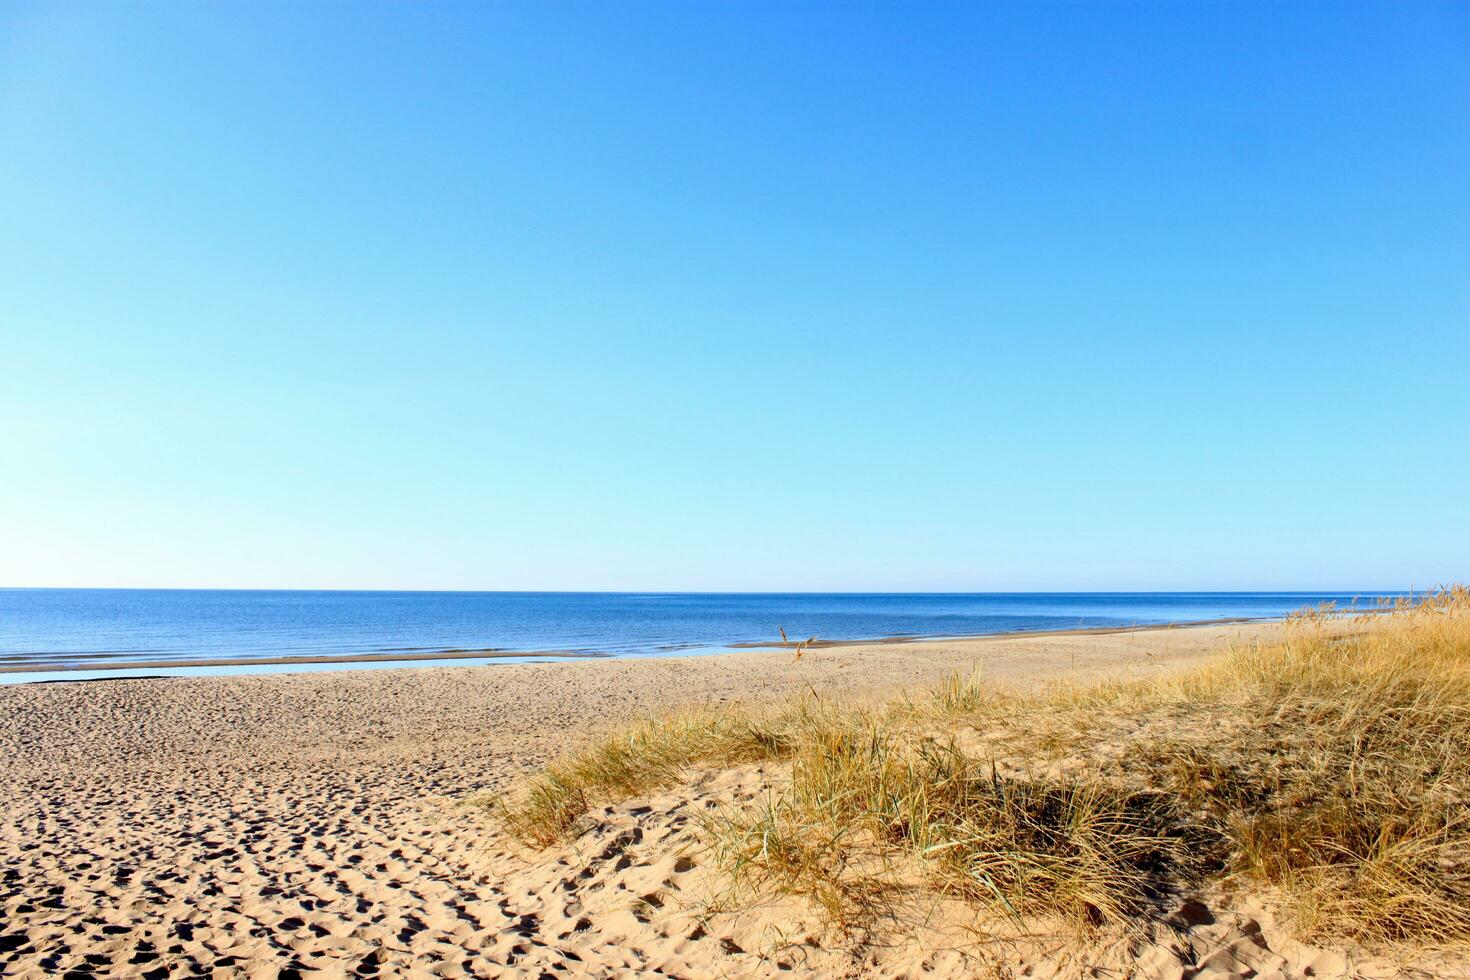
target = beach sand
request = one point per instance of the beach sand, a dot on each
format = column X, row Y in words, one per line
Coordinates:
column 313, row 824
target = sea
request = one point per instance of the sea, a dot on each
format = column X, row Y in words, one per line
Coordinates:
column 80, row 634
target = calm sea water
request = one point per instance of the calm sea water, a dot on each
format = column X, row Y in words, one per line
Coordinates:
column 44, row 629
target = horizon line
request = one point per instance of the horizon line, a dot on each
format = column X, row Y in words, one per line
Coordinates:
column 957, row 592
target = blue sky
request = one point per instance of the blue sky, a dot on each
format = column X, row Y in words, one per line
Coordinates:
column 745, row 296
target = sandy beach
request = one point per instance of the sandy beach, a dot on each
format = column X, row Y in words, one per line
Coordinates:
column 313, row 824
column 721, row 491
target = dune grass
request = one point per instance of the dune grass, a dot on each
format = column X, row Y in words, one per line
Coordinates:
column 872, row 813
column 1330, row 771
column 646, row 757
column 1348, row 790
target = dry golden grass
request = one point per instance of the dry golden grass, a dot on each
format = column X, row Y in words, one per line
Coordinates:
column 1348, row 790
column 1331, row 770
column 646, row 757
column 872, row 812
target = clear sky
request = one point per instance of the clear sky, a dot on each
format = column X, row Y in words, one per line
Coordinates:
column 735, row 296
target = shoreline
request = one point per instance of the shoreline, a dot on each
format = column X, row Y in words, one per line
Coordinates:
column 408, row 660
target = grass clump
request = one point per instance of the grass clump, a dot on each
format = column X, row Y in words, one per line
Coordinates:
column 874, row 811
column 646, row 757
column 1348, row 792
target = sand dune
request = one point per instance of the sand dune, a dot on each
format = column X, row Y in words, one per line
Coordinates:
column 312, row 824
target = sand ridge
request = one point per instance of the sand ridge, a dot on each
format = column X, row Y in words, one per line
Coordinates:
column 312, row 824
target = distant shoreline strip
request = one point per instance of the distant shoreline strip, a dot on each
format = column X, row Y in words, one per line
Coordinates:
column 10, row 665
